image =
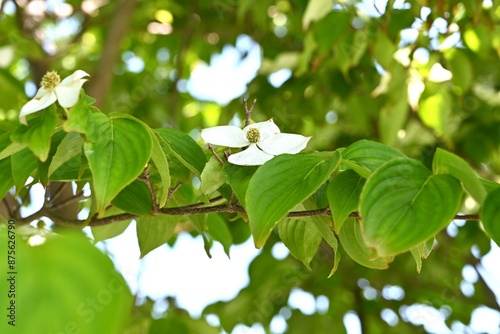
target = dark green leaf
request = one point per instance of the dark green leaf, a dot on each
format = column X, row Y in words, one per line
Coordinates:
column 134, row 198
column 23, row 164
column 185, row 149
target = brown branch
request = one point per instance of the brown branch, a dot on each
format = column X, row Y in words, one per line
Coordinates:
column 102, row 76
column 194, row 209
column 248, row 111
column 147, row 181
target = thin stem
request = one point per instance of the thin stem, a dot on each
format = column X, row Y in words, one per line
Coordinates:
column 215, row 154
column 147, row 181
column 248, row 112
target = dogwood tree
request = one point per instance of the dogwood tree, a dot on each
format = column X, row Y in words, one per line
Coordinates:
column 370, row 150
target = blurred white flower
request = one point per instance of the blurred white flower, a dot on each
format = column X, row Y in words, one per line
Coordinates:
column 52, row 89
column 263, row 139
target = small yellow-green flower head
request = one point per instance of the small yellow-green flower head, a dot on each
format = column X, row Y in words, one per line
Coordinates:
column 50, row 80
column 253, row 135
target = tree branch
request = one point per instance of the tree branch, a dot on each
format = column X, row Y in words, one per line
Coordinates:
column 194, row 209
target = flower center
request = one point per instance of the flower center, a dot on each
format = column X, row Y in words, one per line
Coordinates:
column 50, row 80
column 253, row 135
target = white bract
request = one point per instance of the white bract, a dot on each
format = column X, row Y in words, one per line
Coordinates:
column 52, row 89
column 263, row 139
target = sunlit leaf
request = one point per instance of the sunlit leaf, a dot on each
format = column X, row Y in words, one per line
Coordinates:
column 403, row 204
column 282, row 183
column 365, row 156
column 448, row 163
column 85, row 295
column 38, row 134
column 490, row 215
column 153, row 232
column 117, row 157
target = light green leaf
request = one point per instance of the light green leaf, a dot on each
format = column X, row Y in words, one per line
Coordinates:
column 38, row 134
column 160, row 174
column 153, row 232
column 184, row 148
column 85, row 295
column 23, row 164
column 354, row 245
column 282, row 183
column 301, row 237
column 6, row 179
column 117, row 157
column 490, row 215
column 109, row 231
column 435, row 109
column 343, row 195
column 70, row 146
column 80, row 118
column 7, row 147
column 422, row 251
column 330, row 239
column 365, row 156
column 448, row 163
column 315, row 10
column 218, row 229
column 403, row 204
column 392, row 118
column 134, row 198
column 212, row 177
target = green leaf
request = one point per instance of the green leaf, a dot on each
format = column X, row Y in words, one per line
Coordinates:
column 134, row 198
column 330, row 239
column 160, row 174
column 184, row 148
column 238, row 177
column 23, row 164
column 448, row 163
column 6, row 179
column 490, row 215
column 343, row 195
column 366, row 156
column 109, row 231
column 392, row 118
column 117, row 157
column 84, row 296
column 435, row 108
column 422, row 251
column 315, row 10
column 354, row 245
column 218, row 229
column 301, row 237
column 153, row 232
column 7, row 147
column 37, row 135
column 212, row 177
column 329, row 29
column 282, row 183
column 80, row 118
column 403, row 204
column 70, row 147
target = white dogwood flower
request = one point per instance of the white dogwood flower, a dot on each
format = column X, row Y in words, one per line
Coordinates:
column 263, row 139
column 52, row 89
